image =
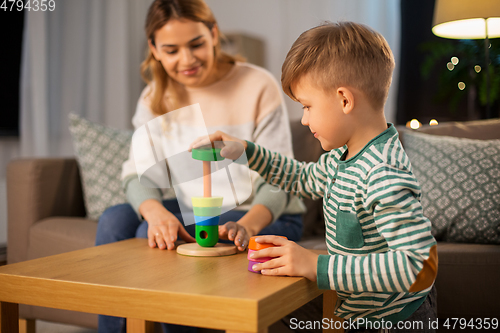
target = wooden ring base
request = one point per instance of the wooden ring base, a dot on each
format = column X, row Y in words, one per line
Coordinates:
column 195, row 250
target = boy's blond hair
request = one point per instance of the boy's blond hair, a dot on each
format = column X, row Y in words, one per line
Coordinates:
column 341, row 54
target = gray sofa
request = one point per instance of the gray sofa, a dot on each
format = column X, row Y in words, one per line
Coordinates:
column 46, row 216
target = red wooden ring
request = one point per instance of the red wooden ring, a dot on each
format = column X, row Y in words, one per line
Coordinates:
column 253, row 245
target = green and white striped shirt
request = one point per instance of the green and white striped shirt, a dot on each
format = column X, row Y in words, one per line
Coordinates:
column 382, row 257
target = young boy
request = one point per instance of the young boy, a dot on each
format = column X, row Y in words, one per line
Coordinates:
column 382, row 257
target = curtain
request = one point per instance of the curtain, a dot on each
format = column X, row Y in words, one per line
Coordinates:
column 83, row 58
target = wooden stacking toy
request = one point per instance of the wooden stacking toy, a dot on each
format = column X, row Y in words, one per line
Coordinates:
column 254, row 246
column 207, row 211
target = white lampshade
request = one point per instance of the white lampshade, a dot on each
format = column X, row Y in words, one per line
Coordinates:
column 465, row 19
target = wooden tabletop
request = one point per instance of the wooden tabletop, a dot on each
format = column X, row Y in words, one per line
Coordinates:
column 129, row 279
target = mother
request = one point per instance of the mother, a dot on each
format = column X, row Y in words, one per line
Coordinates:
column 185, row 65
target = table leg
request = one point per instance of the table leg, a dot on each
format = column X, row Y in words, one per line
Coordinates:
column 329, row 304
column 139, row 326
column 260, row 331
column 27, row 325
column 9, row 317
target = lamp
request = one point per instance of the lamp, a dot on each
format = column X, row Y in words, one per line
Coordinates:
column 469, row 19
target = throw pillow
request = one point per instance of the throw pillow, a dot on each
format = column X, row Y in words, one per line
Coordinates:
column 100, row 152
column 460, row 181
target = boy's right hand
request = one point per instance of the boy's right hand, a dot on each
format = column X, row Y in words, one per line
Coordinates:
column 233, row 147
column 290, row 259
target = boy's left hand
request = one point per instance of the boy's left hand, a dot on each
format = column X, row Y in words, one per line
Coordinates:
column 289, row 258
column 235, row 232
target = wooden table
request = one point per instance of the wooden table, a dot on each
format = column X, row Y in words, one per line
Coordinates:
column 129, row 279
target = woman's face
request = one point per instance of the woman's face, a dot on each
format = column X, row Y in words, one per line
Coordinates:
column 186, row 50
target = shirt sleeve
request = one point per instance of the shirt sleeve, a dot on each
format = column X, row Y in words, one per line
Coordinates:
column 410, row 265
column 305, row 180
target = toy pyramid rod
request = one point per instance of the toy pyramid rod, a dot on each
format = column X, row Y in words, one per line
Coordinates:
column 207, row 179
column 207, row 210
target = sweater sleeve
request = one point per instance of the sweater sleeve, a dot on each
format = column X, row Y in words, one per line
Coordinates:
column 271, row 197
column 139, row 191
column 410, row 264
column 139, row 187
column 297, row 178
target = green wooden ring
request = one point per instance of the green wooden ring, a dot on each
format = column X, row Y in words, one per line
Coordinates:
column 206, row 201
column 207, row 235
column 206, row 154
column 207, row 211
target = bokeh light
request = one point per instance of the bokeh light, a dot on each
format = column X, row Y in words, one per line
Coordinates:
column 450, row 66
column 433, row 122
column 477, row 68
column 461, row 85
column 454, row 60
column 414, row 124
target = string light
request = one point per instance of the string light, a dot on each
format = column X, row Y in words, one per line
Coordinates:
column 433, row 122
column 414, row 124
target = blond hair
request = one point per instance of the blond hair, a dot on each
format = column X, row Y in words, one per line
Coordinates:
column 152, row 71
column 341, row 54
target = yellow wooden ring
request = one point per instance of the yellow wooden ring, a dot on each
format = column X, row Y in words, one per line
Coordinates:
column 207, row 211
column 206, row 201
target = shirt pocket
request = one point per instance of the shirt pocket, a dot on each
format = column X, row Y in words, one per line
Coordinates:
column 349, row 232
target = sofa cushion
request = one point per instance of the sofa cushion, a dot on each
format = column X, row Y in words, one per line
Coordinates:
column 60, row 234
column 475, row 129
column 460, row 180
column 100, row 152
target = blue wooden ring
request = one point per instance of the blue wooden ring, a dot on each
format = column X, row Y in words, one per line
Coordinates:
column 206, row 220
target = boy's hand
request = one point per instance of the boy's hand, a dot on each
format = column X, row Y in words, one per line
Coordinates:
column 235, row 232
column 233, row 147
column 289, row 258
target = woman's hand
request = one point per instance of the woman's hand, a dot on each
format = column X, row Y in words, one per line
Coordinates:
column 163, row 226
column 289, row 258
column 235, row 232
column 233, row 147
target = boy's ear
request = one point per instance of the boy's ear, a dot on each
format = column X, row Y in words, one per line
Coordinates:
column 153, row 49
column 346, row 99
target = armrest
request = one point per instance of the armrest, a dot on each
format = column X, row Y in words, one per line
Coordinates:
column 37, row 189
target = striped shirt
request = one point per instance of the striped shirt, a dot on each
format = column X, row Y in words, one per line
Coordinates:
column 382, row 257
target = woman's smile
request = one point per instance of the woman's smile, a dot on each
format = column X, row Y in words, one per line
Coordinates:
column 190, row 71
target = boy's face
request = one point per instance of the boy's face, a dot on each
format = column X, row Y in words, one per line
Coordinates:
column 323, row 113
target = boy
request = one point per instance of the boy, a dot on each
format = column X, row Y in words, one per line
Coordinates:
column 382, row 257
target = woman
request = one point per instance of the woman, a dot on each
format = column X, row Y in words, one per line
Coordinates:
column 185, row 66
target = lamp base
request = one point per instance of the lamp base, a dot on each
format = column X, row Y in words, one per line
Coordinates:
column 195, row 250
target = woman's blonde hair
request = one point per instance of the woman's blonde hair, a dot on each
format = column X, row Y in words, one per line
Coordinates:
column 341, row 54
column 152, row 71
